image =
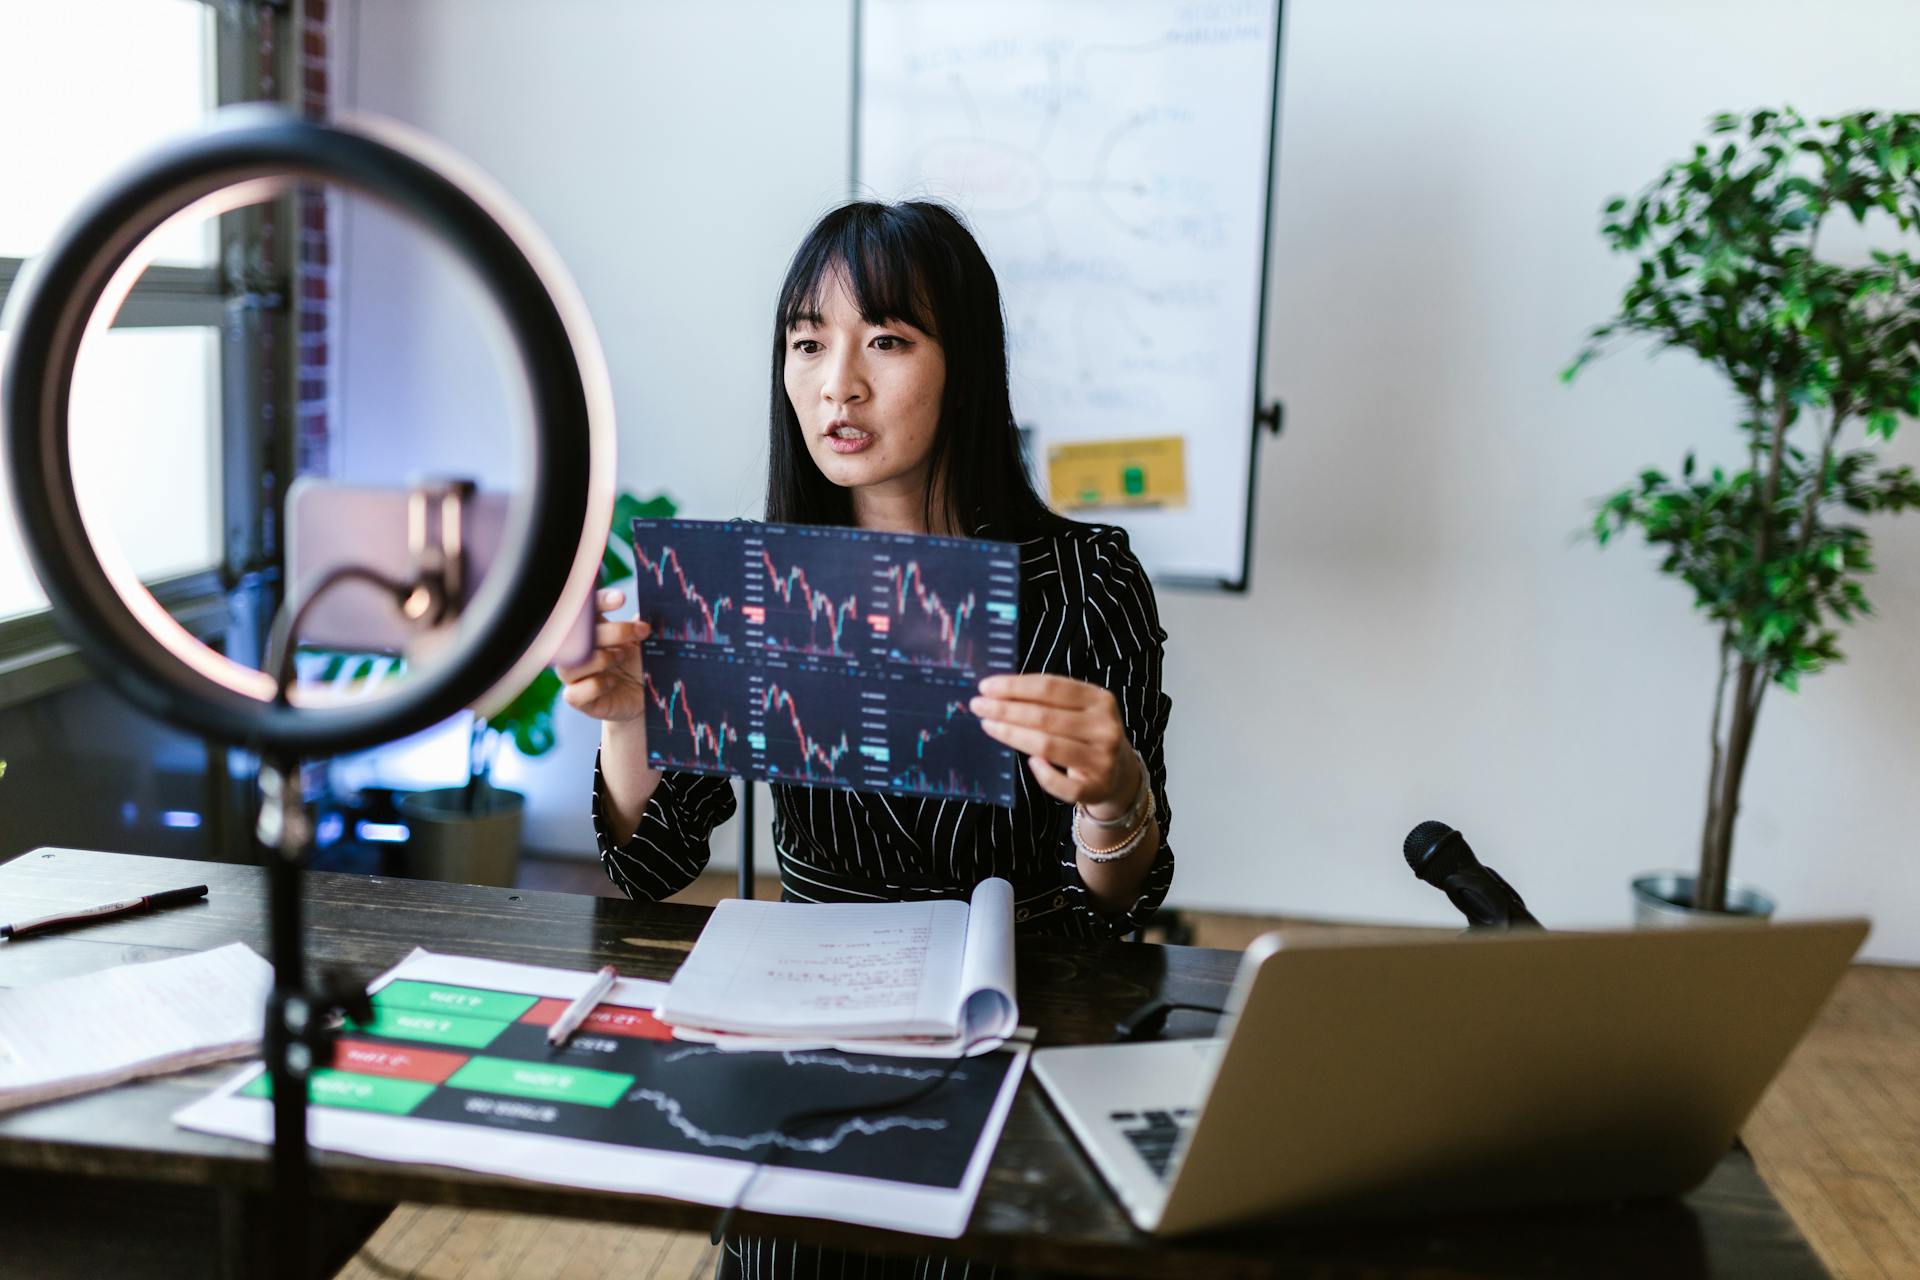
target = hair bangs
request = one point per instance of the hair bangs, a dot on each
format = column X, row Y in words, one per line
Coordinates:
column 874, row 259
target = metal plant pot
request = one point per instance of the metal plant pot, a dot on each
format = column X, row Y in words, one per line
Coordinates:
column 447, row 842
column 1664, row 898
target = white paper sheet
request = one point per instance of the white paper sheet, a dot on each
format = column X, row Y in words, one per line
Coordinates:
column 76, row 1034
column 989, row 1011
column 566, row 1161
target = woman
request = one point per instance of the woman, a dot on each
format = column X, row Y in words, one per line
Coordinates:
column 890, row 411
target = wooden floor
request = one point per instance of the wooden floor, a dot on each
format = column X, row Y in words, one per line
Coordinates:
column 1837, row 1138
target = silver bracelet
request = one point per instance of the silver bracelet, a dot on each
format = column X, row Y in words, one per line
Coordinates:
column 1125, row 848
column 1131, row 818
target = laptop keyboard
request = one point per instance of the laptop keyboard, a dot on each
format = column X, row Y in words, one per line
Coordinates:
column 1155, row 1134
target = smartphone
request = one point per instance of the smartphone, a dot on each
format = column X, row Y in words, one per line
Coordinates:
column 330, row 526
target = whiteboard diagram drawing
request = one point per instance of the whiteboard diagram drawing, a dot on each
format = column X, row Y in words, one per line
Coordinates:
column 1114, row 160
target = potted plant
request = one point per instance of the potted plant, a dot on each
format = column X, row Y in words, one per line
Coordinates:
column 471, row 832
column 1731, row 266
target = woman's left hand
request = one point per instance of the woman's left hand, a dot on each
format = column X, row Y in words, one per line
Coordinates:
column 1072, row 734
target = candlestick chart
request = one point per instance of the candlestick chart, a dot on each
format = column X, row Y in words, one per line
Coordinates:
column 940, row 750
column 696, row 715
column 939, row 610
column 687, row 592
column 818, row 656
column 816, row 609
column 808, row 726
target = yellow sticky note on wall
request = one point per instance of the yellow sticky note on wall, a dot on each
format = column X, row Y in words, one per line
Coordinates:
column 1150, row 472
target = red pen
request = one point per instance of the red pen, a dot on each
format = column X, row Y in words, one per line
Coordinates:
column 105, row 911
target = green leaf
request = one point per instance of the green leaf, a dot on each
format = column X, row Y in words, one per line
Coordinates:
column 534, row 735
column 1722, row 249
column 528, row 719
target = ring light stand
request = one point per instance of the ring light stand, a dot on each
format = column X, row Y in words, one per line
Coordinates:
column 515, row 621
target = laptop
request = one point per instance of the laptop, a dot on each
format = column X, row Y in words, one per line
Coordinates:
column 1394, row 1075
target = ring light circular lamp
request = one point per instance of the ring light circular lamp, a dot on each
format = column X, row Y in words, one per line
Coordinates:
column 555, row 531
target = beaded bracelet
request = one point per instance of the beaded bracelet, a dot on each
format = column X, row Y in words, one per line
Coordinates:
column 1118, row 851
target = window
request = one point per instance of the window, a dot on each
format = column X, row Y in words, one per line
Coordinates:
column 85, row 86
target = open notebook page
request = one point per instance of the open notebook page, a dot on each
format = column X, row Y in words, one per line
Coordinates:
column 868, row 970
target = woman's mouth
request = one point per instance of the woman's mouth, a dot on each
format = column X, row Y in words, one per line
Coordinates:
column 844, row 437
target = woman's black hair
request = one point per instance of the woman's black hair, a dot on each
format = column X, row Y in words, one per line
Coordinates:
column 914, row 263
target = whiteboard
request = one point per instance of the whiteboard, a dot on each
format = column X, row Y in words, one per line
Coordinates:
column 1114, row 157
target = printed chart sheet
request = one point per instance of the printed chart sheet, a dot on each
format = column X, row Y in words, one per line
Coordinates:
column 454, row 1069
column 826, row 657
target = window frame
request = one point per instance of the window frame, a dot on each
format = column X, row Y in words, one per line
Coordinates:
column 250, row 321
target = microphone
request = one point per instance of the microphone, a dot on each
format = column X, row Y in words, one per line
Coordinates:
column 1441, row 856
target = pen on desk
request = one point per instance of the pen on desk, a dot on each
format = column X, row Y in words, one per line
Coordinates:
column 105, row 911
column 576, row 1013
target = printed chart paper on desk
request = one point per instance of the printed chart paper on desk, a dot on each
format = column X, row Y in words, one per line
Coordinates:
column 826, row 657
column 454, row 1069
column 861, row 971
column 77, row 1034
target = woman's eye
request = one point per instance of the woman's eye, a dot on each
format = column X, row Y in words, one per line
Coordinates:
column 806, row 346
column 887, row 342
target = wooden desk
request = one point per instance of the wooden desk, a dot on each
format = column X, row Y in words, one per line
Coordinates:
column 1043, row 1207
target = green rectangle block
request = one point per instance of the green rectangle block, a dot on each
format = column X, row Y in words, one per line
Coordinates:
column 458, row 1002
column 433, row 1028
column 328, row 1088
column 583, row 1085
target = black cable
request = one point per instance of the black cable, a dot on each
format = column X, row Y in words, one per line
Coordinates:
column 1150, row 1019
column 785, row 1126
column 283, row 637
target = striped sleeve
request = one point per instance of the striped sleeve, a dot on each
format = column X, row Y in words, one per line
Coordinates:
column 1125, row 644
column 669, row 849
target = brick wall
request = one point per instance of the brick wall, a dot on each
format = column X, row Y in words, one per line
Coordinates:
column 313, row 272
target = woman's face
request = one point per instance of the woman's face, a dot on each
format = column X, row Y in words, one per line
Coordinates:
column 867, row 397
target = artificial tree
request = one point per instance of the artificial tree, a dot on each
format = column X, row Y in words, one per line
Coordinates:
column 1730, row 268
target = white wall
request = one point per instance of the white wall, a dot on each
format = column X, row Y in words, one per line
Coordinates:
column 1424, row 638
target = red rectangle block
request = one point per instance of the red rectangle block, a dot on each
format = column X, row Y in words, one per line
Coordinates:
column 427, row 1065
column 606, row 1020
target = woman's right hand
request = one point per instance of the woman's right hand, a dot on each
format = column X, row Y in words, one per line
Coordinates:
column 609, row 685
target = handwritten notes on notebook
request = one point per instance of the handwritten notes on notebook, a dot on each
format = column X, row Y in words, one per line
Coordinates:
column 937, row 975
column 75, row 1034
